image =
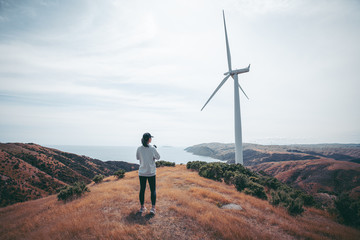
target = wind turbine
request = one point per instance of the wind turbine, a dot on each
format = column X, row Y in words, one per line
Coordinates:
column 234, row 74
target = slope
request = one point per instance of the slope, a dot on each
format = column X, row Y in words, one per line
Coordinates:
column 30, row 171
column 319, row 169
column 314, row 176
column 188, row 207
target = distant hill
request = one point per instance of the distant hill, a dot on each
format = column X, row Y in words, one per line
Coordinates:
column 255, row 153
column 188, row 207
column 324, row 170
column 30, row 171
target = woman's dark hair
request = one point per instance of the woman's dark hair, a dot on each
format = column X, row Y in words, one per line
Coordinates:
column 145, row 139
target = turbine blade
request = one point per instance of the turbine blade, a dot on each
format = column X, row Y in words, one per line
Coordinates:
column 227, row 44
column 220, row 85
column 243, row 92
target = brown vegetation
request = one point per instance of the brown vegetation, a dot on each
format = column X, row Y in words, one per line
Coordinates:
column 315, row 176
column 31, row 171
column 188, row 207
column 323, row 170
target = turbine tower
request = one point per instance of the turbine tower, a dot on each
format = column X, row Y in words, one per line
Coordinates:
column 234, row 74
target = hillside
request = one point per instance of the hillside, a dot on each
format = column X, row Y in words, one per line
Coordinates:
column 255, row 153
column 324, row 170
column 188, row 207
column 30, row 171
column 316, row 176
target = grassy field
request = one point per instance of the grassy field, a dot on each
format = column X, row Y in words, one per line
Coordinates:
column 188, row 207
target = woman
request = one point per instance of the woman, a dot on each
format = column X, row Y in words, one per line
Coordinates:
column 147, row 154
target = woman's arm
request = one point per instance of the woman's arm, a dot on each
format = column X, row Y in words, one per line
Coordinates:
column 156, row 154
column 138, row 154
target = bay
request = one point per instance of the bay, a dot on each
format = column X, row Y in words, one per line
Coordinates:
column 128, row 153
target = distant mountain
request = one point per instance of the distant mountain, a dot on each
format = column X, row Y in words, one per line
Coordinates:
column 324, row 170
column 255, row 153
column 30, row 171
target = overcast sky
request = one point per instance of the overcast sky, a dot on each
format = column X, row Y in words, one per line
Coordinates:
column 104, row 72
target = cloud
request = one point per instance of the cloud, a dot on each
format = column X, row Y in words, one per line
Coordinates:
column 109, row 68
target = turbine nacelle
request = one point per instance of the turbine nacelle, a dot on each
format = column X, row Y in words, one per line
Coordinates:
column 238, row 71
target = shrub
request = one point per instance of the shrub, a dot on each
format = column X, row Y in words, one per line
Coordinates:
column 119, row 173
column 255, row 190
column 98, row 178
column 348, row 210
column 279, row 198
column 307, row 199
column 71, row 192
column 212, row 171
column 264, row 173
column 195, row 165
column 285, row 188
column 254, row 179
column 229, row 177
column 295, row 207
column 60, row 189
column 295, row 194
column 272, row 183
column 240, row 181
column 275, row 200
column 255, row 184
column 165, row 164
column 240, row 169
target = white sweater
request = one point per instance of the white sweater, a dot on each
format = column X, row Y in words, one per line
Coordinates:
column 147, row 156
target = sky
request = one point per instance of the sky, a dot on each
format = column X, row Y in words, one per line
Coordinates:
column 104, row 72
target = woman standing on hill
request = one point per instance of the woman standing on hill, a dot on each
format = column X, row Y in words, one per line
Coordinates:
column 147, row 154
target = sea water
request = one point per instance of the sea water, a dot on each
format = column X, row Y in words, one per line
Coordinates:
column 128, row 154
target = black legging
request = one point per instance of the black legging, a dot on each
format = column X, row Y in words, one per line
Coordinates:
column 152, row 183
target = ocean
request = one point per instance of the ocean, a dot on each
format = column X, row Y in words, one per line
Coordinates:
column 128, row 154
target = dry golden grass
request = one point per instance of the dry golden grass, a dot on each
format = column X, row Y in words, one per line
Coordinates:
column 187, row 208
